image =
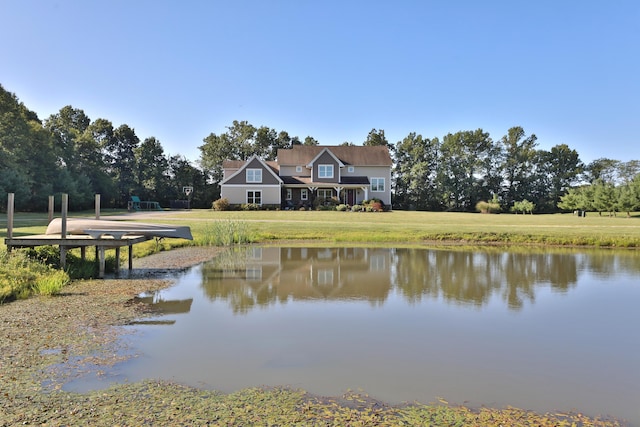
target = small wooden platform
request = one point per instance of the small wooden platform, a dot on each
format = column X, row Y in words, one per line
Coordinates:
column 101, row 243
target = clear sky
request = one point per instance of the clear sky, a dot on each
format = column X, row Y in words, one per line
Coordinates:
column 565, row 70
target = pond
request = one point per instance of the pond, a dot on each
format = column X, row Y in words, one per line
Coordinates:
column 546, row 331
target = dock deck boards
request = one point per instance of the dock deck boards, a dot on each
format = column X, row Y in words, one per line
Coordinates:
column 80, row 241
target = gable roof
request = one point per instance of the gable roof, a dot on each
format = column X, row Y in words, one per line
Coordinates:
column 348, row 155
column 242, row 165
column 325, row 150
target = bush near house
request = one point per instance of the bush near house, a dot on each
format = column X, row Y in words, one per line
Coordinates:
column 221, row 205
column 488, row 207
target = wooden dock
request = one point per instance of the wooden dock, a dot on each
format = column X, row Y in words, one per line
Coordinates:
column 79, row 241
column 101, row 241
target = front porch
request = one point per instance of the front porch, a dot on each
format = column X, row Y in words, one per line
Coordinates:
column 311, row 196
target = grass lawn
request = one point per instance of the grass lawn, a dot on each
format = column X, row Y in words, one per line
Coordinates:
column 397, row 227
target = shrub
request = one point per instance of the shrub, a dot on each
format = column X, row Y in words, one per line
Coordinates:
column 357, row 208
column 250, row 207
column 342, row 208
column 487, row 207
column 373, row 205
column 221, row 205
column 325, row 204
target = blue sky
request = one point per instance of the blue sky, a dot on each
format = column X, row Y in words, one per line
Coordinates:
column 567, row 71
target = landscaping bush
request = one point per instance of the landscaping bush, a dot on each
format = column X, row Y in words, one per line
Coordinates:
column 342, row 208
column 250, row 207
column 488, row 207
column 221, row 205
column 373, row 205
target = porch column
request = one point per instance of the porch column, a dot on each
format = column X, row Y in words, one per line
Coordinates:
column 366, row 193
column 338, row 190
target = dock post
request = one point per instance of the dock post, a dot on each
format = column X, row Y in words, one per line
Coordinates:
column 10, row 201
column 51, row 208
column 63, row 232
column 130, row 257
column 97, row 206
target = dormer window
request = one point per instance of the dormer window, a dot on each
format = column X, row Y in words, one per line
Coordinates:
column 325, row 171
column 254, row 175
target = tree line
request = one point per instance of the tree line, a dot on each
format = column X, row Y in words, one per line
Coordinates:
column 70, row 153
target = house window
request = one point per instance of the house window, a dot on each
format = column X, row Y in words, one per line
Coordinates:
column 304, row 194
column 377, row 184
column 298, row 169
column 325, row 193
column 325, row 276
column 289, row 194
column 253, row 273
column 254, row 196
column 254, row 175
column 351, row 169
column 325, row 171
column 255, row 253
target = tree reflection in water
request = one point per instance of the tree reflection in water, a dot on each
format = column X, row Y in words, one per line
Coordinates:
column 261, row 276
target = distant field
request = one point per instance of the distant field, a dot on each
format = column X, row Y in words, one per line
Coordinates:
column 403, row 227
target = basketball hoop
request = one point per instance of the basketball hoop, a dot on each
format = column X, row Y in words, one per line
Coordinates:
column 187, row 190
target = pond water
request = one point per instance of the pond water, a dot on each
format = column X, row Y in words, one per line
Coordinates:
column 544, row 331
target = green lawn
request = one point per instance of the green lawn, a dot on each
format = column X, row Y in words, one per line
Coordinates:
column 399, row 227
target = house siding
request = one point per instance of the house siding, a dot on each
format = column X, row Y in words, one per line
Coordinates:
column 237, row 194
column 326, row 159
column 241, row 178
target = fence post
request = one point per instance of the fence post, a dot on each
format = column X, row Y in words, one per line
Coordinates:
column 51, row 208
column 63, row 231
column 10, row 201
column 97, row 204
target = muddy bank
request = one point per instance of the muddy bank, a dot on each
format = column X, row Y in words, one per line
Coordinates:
column 78, row 328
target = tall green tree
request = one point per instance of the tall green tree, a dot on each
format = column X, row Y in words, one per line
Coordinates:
column 376, row 138
column 309, row 140
column 215, row 150
column 603, row 169
column 461, row 167
column 100, row 168
column 152, row 171
column 415, row 173
column 28, row 165
column 67, row 126
column 183, row 174
column 561, row 168
column 519, row 151
column 120, row 154
column 604, row 197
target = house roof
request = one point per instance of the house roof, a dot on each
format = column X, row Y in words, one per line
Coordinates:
column 241, row 165
column 233, row 164
column 349, row 155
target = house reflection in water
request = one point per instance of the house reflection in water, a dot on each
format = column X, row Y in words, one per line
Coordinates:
column 265, row 275
column 161, row 306
column 261, row 276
